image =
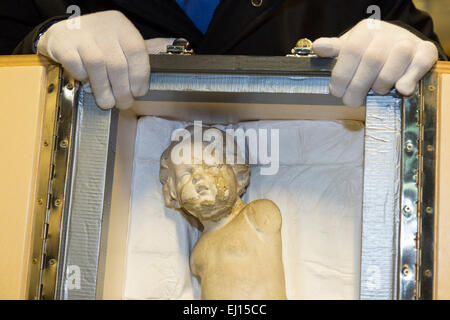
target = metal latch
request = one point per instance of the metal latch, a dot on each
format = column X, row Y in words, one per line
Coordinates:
column 180, row 46
column 303, row 48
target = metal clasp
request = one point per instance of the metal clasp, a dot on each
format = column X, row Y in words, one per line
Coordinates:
column 180, row 46
column 303, row 48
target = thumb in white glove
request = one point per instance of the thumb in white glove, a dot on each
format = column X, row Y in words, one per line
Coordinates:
column 158, row 45
column 378, row 56
column 107, row 50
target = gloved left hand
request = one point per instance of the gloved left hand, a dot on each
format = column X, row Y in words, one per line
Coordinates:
column 154, row 46
column 108, row 50
column 376, row 55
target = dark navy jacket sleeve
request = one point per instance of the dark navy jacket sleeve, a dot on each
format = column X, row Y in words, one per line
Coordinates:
column 236, row 27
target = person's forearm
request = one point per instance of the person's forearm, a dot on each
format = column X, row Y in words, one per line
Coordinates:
column 28, row 44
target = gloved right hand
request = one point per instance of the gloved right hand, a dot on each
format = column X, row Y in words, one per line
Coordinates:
column 107, row 50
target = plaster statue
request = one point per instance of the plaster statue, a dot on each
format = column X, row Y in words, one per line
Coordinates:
column 238, row 255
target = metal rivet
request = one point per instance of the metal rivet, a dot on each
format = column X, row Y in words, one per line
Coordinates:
column 34, row 261
column 429, row 210
column 431, row 88
column 430, row 148
column 58, row 202
column 64, row 143
column 405, row 270
column 46, row 143
column 52, row 262
column 51, row 87
column 409, row 146
column 428, row 273
column 69, row 86
column 257, row 3
column 40, row 202
column 407, row 212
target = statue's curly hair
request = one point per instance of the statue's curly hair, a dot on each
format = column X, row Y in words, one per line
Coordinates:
column 241, row 171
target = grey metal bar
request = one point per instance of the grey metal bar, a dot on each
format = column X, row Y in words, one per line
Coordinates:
column 220, row 64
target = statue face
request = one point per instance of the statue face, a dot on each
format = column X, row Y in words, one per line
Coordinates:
column 206, row 192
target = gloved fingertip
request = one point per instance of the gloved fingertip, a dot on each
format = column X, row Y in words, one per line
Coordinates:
column 79, row 74
column 381, row 91
column 87, row 87
column 326, row 47
column 336, row 92
column 141, row 91
column 105, row 107
column 405, row 88
column 352, row 102
column 106, row 103
column 123, row 105
column 382, row 87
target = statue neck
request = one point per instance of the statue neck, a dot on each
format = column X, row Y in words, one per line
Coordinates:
column 209, row 225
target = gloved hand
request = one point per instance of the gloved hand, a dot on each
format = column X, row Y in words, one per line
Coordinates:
column 154, row 46
column 158, row 45
column 377, row 55
column 108, row 50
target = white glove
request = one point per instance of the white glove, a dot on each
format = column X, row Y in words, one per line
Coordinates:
column 158, row 45
column 377, row 55
column 108, row 50
column 154, row 46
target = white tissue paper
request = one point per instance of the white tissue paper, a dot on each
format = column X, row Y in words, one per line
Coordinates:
column 318, row 189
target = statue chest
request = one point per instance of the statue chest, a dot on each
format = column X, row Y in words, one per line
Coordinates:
column 237, row 246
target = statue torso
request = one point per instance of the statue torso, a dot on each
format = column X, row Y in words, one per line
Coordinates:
column 243, row 259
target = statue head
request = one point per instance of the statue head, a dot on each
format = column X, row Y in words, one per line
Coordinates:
column 204, row 185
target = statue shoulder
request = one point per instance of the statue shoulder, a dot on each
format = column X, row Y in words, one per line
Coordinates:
column 198, row 258
column 264, row 215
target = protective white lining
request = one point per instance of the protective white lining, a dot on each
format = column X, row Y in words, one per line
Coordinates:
column 318, row 189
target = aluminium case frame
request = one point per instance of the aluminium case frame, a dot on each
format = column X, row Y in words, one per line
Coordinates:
column 78, row 149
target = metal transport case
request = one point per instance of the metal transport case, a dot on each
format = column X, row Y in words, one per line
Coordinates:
column 66, row 167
